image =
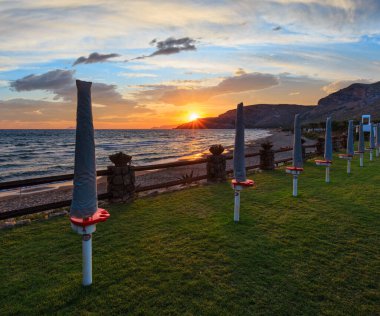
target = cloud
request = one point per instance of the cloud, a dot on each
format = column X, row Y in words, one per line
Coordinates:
column 50, row 81
column 277, row 28
column 235, row 84
column 106, row 98
column 341, row 84
column 170, row 46
column 94, row 58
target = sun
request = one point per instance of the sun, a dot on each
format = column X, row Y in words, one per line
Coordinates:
column 193, row 116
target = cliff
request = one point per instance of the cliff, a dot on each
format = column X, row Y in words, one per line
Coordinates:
column 347, row 103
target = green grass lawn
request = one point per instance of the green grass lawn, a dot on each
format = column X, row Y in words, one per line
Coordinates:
column 181, row 253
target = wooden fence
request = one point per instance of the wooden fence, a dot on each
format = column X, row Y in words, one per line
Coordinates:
column 67, row 177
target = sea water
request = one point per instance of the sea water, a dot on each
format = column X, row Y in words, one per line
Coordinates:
column 37, row 153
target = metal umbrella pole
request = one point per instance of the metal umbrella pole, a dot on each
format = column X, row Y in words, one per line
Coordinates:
column 377, row 139
column 84, row 212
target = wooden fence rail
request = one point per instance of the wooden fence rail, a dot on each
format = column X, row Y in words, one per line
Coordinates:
column 66, row 177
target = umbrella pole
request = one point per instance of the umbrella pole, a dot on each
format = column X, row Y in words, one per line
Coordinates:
column 295, row 185
column 237, row 203
column 371, row 155
column 361, row 160
column 327, row 174
column 348, row 166
column 87, row 259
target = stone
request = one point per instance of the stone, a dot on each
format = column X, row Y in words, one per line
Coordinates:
column 118, row 180
column 267, row 156
column 120, row 159
column 216, row 150
column 216, row 168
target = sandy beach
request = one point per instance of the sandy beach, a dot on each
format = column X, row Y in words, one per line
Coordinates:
column 49, row 193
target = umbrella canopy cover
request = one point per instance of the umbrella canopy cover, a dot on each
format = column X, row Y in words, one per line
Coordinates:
column 297, row 143
column 378, row 135
column 328, row 141
column 350, row 138
column 84, row 203
column 372, row 137
column 361, row 147
column 239, row 155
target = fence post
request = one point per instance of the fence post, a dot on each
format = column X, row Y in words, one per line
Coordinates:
column 121, row 178
column 320, row 146
column 266, row 156
column 216, row 164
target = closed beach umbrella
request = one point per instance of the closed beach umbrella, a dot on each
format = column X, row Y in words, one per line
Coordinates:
column 350, row 145
column 328, row 141
column 361, row 145
column 350, row 138
column 239, row 156
column 84, row 212
column 328, row 150
column 84, row 203
column 372, row 137
column 377, row 139
column 372, row 144
column 240, row 180
column 297, row 143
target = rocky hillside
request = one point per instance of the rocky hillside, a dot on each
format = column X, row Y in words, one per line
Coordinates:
column 256, row 116
column 347, row 103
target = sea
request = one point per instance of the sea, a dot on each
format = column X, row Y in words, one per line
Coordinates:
column 37, row 153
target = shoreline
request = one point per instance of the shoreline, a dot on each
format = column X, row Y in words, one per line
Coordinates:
column 29, row 197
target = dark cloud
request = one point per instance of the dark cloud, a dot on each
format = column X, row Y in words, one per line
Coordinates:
column 277, row 28
column 94, row 58
column 49, row 81
column 170, row 46
column 106, row 99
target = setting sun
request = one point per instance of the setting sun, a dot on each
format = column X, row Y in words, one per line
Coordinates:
column 193, row 116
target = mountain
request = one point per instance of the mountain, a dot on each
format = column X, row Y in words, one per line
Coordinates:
column 347, row 103
column 256, row 116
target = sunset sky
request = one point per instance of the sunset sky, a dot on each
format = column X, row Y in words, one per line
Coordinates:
column 156, row 63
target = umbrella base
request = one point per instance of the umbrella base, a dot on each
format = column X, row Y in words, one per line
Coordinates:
column 294, row 170
column 325, row 163
column 346, row 156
